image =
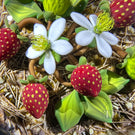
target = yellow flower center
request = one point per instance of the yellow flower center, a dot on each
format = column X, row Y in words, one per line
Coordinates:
column 39, row 43
column 104, row 23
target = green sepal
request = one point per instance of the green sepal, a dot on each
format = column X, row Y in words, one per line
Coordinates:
column 69, row 76
column 44, row 79
column 20, row 11
column 22, row 38
column 112, row 82
column 6, row 23
column 130, row 68
column 82, row 60
column 104, row 5
column 64, row 38
column 69, row 111
column 93, row 44
column 79, row 29
column 49, row 16
column 25, row 82
column 41, row 60
column 70, row 67
column 56, row 56
column 31, row 79
column 14, row 28
column 98, row 108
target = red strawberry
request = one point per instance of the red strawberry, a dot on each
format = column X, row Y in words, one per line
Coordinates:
column 35, row 98
column 86, row 80
column 123, row 12
column 9, row 43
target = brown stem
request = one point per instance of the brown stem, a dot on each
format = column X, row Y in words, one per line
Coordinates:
column 31, row 66
column 67, row 84
column 26, row 21
column 57, row 75
column 72, row 59
column 119, row 51
column 71, row 29
column 49, row 24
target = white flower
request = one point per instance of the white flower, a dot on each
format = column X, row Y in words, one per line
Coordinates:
column 46, row 43
column 103, row 38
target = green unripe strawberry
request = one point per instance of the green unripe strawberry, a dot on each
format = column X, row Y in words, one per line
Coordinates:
column 57, row 7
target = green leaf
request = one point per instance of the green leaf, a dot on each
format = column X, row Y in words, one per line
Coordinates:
column 41, row 60
column 82, row 60
column 131, row 51
column 98, row 108
column 56, row 56
column 70, row 67
column 130, row 68
column 69, row 111
column 112, row 82
column 77, row 30
column 25, row 1
column 20, row 11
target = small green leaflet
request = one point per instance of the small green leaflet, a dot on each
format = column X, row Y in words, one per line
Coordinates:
column 99, row 108
column 69, row 111
column 20, row 11
column 112, row 82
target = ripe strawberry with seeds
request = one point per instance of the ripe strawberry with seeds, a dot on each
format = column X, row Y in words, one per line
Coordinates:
column 86, row 79
column 35, row 98
column 123, row 12
column 9, row 43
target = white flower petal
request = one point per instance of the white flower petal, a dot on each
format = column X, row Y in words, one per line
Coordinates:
column 56, row 29
column 49, row 63
column 103, row 47
column 39, row 29
column 109, row 37
column 32, row 53
column 81, row 20
column 84, row 38
column 93, row 19
column 62, row 47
